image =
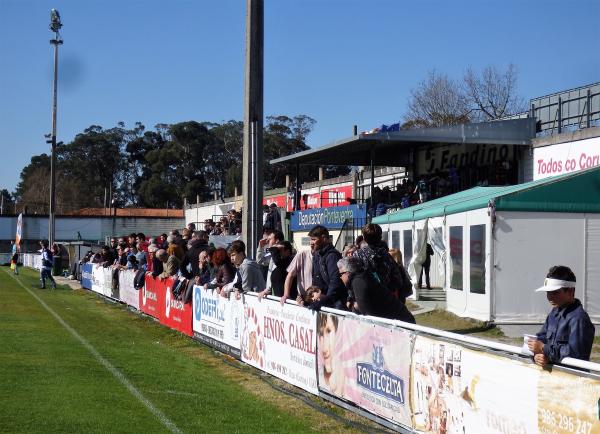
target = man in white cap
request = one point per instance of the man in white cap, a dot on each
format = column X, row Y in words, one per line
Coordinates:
column 568, row 331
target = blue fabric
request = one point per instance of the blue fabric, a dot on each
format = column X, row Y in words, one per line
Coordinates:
column 567, row 332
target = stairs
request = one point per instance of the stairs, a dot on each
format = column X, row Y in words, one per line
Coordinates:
column 434, row 294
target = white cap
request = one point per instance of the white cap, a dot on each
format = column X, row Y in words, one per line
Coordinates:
column 555, row 284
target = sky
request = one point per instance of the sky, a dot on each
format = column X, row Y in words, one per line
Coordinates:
column 342, row 62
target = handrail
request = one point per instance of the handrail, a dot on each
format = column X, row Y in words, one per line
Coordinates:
column 567, row 361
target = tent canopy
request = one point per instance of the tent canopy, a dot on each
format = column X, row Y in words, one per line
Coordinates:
column 394, row 149
column 577, row 192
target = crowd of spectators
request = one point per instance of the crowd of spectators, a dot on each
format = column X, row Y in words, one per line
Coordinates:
column 365, row 279
column 408, row 193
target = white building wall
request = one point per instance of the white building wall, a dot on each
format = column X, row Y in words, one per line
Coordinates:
column 527, row 245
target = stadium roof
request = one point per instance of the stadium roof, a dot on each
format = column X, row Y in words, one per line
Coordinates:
column 393, row 149
column 577, row 192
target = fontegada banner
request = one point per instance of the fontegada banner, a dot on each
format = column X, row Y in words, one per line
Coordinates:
column 280, row 340
column 218, row 320
column 366, row 364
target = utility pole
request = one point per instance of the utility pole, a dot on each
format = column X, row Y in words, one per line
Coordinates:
column 252, row 182
column 55, row 26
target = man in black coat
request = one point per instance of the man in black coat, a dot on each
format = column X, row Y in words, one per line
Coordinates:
column 368, row 295
column 325, row 274
column 198, row 244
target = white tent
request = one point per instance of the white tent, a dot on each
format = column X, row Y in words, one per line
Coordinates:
column 494, row 245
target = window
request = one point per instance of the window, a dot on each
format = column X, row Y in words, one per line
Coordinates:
column 395, row 240
column 477, row 262
column 456, row 255
column 408, row 249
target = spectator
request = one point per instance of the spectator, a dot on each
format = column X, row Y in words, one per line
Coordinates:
column 311, row 295
column 191, row 227
column 225, row 270
column 140, row 257
column 162, row 242
column 131, row 239
column 157, row 265
column 190, row 267
column 423, row 189
column 113, row 249
column 325, row 274
column 396, row 256
column 14, row 259
column 170, row 264
column 281, row 257
column 141, row 242
column 426, row 266
column 349, row 250
column 46, row 269
column 250, row 275
column 264, row 256
column 209, row 226
column 174, row 248
column 367, row 295
column 567, row 331
column 273, row 218
column 207, row 270
column 132, row 263
column 376, row 259
column 299, row 276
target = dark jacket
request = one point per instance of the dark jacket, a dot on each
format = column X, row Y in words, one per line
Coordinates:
column 567, row 332
column 325, row 275
column 375, row 300
column 157, row 266
column 191, row 258
column 279, row 273
column 393, row 276
column 225, row 274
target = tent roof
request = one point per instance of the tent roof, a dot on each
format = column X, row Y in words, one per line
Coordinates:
column 393, row 149
column 573, row 192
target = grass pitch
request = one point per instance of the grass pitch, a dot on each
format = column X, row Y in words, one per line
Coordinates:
column 51, row 381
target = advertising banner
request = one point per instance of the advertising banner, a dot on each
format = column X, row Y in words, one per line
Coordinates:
column 177, row 315
column 456, row 390
column 218, row 320
column 568, row 403
column 280, row 340
column 98, row 279
column 127, row 291
column 565, row 157
column 107, row 287
column 152, row 301
column 87, row 277
column 331, row 218
column 366, row 364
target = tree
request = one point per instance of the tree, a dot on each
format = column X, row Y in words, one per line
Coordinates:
column 6, row 200
column 493, row 93
column 437, row 101
column 440, row 100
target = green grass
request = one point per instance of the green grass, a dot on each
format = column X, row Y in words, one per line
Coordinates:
column 444, row 320
column 50, row 382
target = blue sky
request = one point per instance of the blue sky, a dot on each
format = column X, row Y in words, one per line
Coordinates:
column 342, row 62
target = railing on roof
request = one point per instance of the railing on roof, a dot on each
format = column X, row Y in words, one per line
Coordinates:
column 567, row 111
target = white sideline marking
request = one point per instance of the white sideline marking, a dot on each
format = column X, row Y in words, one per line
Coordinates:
column 117, row 374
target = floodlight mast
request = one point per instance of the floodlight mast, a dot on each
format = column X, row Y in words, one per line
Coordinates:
column 55, row 26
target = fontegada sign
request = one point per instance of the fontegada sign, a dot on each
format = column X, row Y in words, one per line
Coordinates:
column 331, row 218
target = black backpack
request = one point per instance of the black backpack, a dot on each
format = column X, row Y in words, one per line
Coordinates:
column 139, row 280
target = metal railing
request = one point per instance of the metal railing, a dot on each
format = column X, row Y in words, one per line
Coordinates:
column 569, row 110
